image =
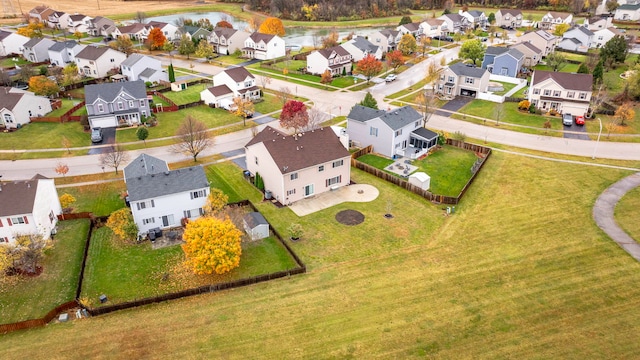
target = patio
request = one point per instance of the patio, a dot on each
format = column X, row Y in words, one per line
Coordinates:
column 350, row 193
column 169, row 237
column 403, row 169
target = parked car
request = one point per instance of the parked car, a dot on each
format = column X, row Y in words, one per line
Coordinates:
column 390, row 77
column 96, row 135
column 579, row 120
column 567, row 119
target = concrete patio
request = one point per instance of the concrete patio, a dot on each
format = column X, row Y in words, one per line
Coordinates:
column 401, row 169
column 350, row 193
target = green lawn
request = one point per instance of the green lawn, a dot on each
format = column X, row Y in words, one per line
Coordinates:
column 568, row 68
column 507, row 87
column 375, row 161
column 66, row 106
column 190, row 95
column 100, row 199
column 30, row 298
column 626, row 213
column 270, row 104
column 45, row 136
column 217, row 180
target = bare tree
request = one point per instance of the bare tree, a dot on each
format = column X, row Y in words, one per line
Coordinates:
column 426, row 103
column 264, row 81
column 114, row 157
column 498, row 111
column 284, row 95
column 316, row 117
column 140, row 17
column 66, row 143
column 192, row 138
column 599, row 97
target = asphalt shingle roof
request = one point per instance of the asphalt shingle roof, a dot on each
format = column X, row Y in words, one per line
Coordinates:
column 166, row 183
column 364, row 45
column 461, row 69
column 9, row 99
column 17, row 197
column 93, row 52
column 144, row 165
column 132, row 60
column 395, row 119
column 109, row 91
column 581, row 82
column 254, row 219
column 239, row 74
column 61, row 45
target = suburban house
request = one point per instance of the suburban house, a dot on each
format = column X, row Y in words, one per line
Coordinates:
column 461, row 79
column 532, row 55
column 170, row 31
column 263, row 46
column 102, row 26
column 142, row 67
column 37, row 49
column 231, row 83
column 503, row 61
column 255, row 225
column 508, row 18
column 628, row 12
column 294, row 167
column 28, row 207
column 360, row 47
column 595, row 24
column 601, row 37
column 63, row 52
column 397, row 132
column 135, row 31
column 196, row 33
column 335, row 59
column 226, row 41
column 562, row 92
column 161, row 198
column 387, row 39
column 78, row 23
column 41, row 13
column 541, row 39
column 11, row 43
column 455, row 22
column 578, row 38
column 17, row 107
column 433, row 27
column 476, row 18
column 96, row 62
column 118, row 103
column 410, row 28
column 58, row 20
column 553, row 18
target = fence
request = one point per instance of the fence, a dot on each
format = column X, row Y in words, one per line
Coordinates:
column 5, row 328
column 171, row 108
column 362, row 151
column 62, row 118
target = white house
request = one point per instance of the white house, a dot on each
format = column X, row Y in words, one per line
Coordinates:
column 58, row 20
column 578, row 38
column 102, row 26
column 78, row 23
column 240, row 81
column 562, row 92
column 255, row 225
column 628, row 12
column 96, row 62
column 410, row 28
column 41, row 13
column 461, row 79
column 159, row 197
column 433, row 27
column 553, row 18
column 135, row 31
column 11, row 43
column 294, row 167
column 117, row 103
column 508, row 18
column 595, row 24
column 335, row 59
column 387, row 39
column 17, row 107
column 601, row 37
column 37, row 49
column 28, row 207
column 455, row 22
column 226, row 41
column 541, row 39
column 263, row 46
column 63, row 52
column 360, row 47
column 170, row 31
column 476, row 18
column 145, row 68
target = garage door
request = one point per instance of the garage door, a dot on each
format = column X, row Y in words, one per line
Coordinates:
column 573, row 109
column 104, row 122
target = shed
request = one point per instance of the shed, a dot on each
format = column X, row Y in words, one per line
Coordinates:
column 179, row 85
column 421, row 180
column 256, row 226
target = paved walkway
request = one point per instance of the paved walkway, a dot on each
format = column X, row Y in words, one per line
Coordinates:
column 603, row 214
column 351, row 193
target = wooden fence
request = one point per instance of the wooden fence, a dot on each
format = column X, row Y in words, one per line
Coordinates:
column 27, row 324
column 363, row 151
column 66, row 117
column 171, row 108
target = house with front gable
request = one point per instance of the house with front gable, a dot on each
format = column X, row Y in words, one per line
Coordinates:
column 135, row 31
column 359, row 48
column 97, row 62
column 40, row 13
column 410, row 28
column 503, row 61
column 231, row 83
column 29, row 207
column 78, row 23
column 37, row 49
column 598, row 23
column 263, row 46
column 336, row 59
column 102, row 26
column 476, row 18
column 541, row 39
column 397, row 132
column 386, row 39
column 196, row 33
column 553, row 18
column 58, row 20
column 11, row 43
column 562, row 92
column 532, row 55
column 116, row 104
column 145, row 68
column 578, row 38
column 455, row 23
column 17, row 107
column 170, row 31
column 64, row 52
column 601, row 37
column 433, row 27
column 627, row 12
column 161, row 198
column 508, row 18
column 294, row 167
column 226, row 41
column 462, row 79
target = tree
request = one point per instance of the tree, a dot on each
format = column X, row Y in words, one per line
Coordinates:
column 284, row 95
column 114, row 157
column 216, row 201
column 395, row 59
column 491, row 19
column 612, row 6
column 614, row 50
column 294, row 115
column 66, row 200
column 426, row 101
column 6, row 258
column 598, row 72
column 243, row 108
column 77, row 34
column 224, row 24
column 123, row 44
column 369, row 101
column 66, row 143
column 62, row 169
column 625, row 112
column 369, row 66
column 172, row 73
column 186, row 46
column 272, row 25
column 265, row 80
column 26, row 72
column 142, row 134
column 140, row 17
column 407, row 44
column 156, row 39
column 212, row 245
column 330, row 40
column 326, row 77
column 424, row 43
column 316, row 117
column 254, row 23
column 122, row 224
column 204, row 50
column 560, row 29
column 32, row 30
column 583, row 69
column 69, row 74
column 405, row 20
column 30, row 251
column 193, row 138
column 472, row 50
column 498, row 112
column 556, row 61
column 42, row 85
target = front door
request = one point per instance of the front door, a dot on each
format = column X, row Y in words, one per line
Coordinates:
column 308, row 190
column 167, row 220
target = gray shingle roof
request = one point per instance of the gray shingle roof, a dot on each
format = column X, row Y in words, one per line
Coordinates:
column 144, row 165
column 362, row 113
column 389, row 32
column 93, row 52
column 515, row 53
column 585, row 30
column 109, row 91
column 461, row 69
column 257, row 37
column 496, row 50
column 61, row 45
column 4, row 34
column 512, row 12
column 425, row 133
column 132, row 60
column 573, row 40
column 632, row 7
column 475, row 13
column 412, row 26
column 254, row 219
column 364, row 45
column 33, row 42
column 148, row 72
column 395, row 119
column 530, row 46
column 166, row 183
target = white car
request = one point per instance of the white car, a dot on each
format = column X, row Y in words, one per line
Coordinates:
column 390, row 77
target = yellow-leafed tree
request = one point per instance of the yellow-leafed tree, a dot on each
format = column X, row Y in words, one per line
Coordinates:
column 121, row 223
column 212, row 245
column 272, row 26
column 33, row 29
column 66, row 200
column 216, row 201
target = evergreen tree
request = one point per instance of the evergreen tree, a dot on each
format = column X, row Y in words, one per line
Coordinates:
column 172, row 74
column 598, row 71
column 583, row 69
column 369, row 101
column 405, row 20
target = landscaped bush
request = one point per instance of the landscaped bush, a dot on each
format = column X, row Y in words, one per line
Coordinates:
column 532, row 109
column 524, row 105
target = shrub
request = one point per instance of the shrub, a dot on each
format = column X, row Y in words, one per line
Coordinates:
column 553, row 112
column 148, row 84
column 458, row 135
column 524, row 105
column 532, row 109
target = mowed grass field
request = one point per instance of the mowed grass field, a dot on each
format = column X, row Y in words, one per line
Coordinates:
column 627, row 215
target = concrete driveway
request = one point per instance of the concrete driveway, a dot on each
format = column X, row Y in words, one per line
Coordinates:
column 570, row 130
column 351, row 193
column 108, row 138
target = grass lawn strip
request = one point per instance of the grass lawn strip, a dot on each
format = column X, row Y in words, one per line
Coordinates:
column 100, row 199
column 189, row 95
column 626, row 213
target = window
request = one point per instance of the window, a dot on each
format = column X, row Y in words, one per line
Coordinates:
column 51, row 216
column 291, row 192
column 373, row 131
column 583, row 96
column 198, row 194
column 333, row 180
column 398, row 132
column 442, row 77
column 113, row 60
column 120, row 105
column 256, row 160
column 142, row 205
column 130, row 103
column 451, row 79
column 148, row 221
column 8, row 118
column 468, row 80
column 547, row 92
column 19, row 220
column 294, row 176
column 141, row 103
column 338, row 163
column 536, row 91
column 193, row 213
column 570, row 94
column 417, row 124
column 556, row 93
column 320, row 168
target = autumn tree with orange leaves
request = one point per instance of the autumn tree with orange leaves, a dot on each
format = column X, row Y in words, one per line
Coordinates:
column 42, row 85
column 212, row 245
column 272, row 26
column 156, row 39
column 369, row 66
column 395, row 59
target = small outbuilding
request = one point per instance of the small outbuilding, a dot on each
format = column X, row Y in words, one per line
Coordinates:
column 256, row 226
column 421, row 180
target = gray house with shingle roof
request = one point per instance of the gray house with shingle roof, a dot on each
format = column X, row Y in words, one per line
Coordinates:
column 115, row 104
column 397, row 132
column 503, row 61
column 37, row 49
column 145, row 68
column 360, row 47
column 578, row 38
column 160, row 197
column 463, row 79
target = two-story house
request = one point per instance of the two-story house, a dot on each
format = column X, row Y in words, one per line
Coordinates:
column 578, row 38
column 226, row 41
column 135, row 31
column 78, row 23
column 170, row 31
column 96, row 62
column 102, row 26
column 598, row 23
column 294, row 167
column 64, row 52
column 359, row 47
column 503, row 61
column 455, row 22
column 508, row 18
column 335, row 59
column 465, row 80
column 532, row 55
column 386, row 39
column 477, row 18
column 11, row 43
column 263, row 46
column 116, row 104
column 410, row 28
column 601, row 37
column 562, row 92
column 40, row 13
column 231, row 83
column 161, row 198
column 553, row 18
column 37, row 49
column 58, row 20
column 541, row 39
column 17, row 107
column 395, row 132
column 145, row 68
column 433, row 27
column 196, row 33
column 28, row 207
column 627, row 12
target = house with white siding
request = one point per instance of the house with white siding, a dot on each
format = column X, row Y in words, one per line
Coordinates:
column 97, row 62
column 17, row 107
column 628, row 12
column 562, row 92
column 11, row 43
column 541, row 39
column 336, row 59
column 553, row 18
column 229, row 84
column 226, row 41
column 462, row 79
column 64, row 52
column 387, row 39
column 508, row 18
column 145, row 68
column 359, row 48
column 37, row 49
column 263, row 46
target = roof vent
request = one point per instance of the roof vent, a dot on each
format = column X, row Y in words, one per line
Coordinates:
column 166, row 173
column 297, row 147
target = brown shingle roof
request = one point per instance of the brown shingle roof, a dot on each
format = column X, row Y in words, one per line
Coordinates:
column 9, row 99
column 338, row 49
column 238, row 73
column 220, row 90
column 92, row 52
column 17, row 197
column 257, row 37
column 569, row 81
column 512, row 12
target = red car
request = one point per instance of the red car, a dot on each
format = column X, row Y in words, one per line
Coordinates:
column 579, row 120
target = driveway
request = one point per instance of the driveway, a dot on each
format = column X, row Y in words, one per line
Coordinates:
column 108, row 138
column 454, row 105
column 578, row 129
column 246, row 63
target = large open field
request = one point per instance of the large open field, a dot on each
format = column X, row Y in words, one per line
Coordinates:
column 520, row 271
